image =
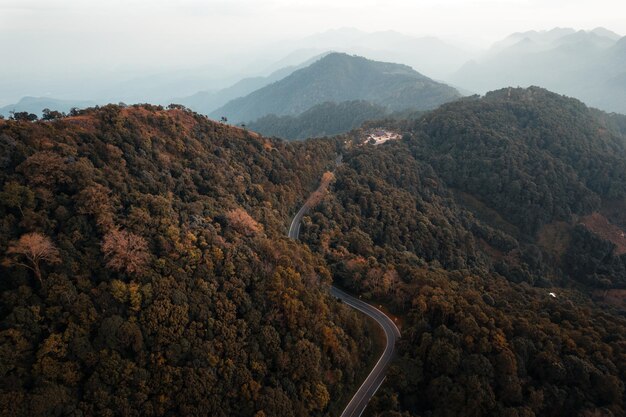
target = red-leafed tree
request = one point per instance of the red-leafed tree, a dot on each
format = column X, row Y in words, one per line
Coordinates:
column 126, row 252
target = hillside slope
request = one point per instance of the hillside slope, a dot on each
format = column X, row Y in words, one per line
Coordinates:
column 492, row 227
column 324, row 119
column 485, row 228
column 340, row 77
column 167, row 285
column 205, row 102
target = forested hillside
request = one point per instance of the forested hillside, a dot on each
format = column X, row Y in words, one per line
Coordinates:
column 324, row 119
column 204, row 102
column 471, row 228
column 534, row 156
column 340, row 77
column 146, row 271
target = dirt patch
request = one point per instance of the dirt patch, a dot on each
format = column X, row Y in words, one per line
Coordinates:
column 615, row 211
column 601, row 226
column 318, row 194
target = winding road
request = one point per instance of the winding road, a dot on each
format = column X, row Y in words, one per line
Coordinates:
column 368, row 388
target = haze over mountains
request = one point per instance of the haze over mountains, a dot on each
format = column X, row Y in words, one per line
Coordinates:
column 429, row 55
column 340, row 77
column 590, row 66
column 37, row 104
column 206, row 102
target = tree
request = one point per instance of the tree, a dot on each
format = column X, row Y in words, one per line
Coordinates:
column 241, row 221
column 126, row 252
column 36, row 248
column 18, row 196
column 47, row 114
column 24, row 116
column 75, row 111
column 96, row 200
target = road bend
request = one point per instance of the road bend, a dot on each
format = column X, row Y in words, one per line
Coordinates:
column 374, row 380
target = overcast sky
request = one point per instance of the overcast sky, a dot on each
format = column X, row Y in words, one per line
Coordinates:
column 65, row 36
column 142, row 31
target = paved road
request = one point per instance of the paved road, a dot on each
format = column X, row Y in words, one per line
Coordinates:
column 366, row 391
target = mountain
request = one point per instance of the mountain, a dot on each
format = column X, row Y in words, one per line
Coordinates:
column 340, row 77
column 515, row 130
column 434, row 57
column 585, row 65
column 495, row 229
column 600, row 31
column 205, row 102
column 539, row 38
column 165, row 283
column 37, row 104
column 324, row 119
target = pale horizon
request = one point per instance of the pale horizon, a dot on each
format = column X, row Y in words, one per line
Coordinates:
column 53, row 42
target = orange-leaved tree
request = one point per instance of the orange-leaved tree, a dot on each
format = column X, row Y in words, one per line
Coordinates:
column 30, row 250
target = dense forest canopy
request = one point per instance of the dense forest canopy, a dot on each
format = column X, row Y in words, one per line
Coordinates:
column 329, row 119
column 469, row 229
column 146, row 269
column 326, row 119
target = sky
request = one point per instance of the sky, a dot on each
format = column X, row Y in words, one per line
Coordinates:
column 62, row 38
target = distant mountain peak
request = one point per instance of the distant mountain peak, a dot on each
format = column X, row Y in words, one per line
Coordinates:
column 587, row 64
column 600, row 31
column 339, row 77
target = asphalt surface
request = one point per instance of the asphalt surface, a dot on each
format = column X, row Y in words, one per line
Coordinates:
column 368, row 388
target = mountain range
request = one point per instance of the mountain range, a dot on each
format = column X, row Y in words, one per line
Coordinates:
column 583, row 64
column 587, row 65
column 432, row 56
column 206, row 102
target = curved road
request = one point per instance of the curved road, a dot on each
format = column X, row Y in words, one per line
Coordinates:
column 366, row 391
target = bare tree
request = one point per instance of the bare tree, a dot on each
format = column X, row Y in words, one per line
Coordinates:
column 35, row 248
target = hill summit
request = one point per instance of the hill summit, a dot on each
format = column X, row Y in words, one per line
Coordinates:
column 339, row 77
